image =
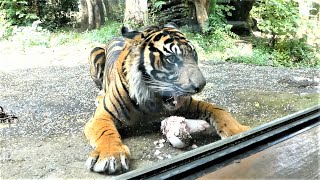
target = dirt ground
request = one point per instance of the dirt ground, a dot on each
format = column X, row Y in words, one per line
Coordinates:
column 51, row 93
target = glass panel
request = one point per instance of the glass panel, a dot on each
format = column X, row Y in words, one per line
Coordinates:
column 45, row 81
column 254, row 95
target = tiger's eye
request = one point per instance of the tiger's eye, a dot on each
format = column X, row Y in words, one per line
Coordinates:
column 170, row 59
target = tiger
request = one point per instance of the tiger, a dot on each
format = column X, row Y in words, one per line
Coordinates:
column 143, row 76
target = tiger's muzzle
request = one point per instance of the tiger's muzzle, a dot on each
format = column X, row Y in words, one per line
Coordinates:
column 193, row 82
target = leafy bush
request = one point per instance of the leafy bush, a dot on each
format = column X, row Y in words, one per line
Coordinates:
column 287, row 53
column 17, row 12
column 277, row 18
column 217, row 36
column 5, row 27
column 217, row 19
column 58, row 14
column 53, row 15
column 296, row 51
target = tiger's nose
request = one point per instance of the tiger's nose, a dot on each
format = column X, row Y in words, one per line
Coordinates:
column 198, row 87
column 198, row 81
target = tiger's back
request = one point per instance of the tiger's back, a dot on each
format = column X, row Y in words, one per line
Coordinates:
column 102, row 61
column 97, row 62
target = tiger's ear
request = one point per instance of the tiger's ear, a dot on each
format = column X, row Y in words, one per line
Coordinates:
column 171, row 25
column 129, row 34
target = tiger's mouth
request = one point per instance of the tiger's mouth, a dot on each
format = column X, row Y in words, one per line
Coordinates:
column 171, row 100
column 174, row 100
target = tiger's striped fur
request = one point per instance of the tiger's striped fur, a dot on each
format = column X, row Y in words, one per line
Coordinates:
column 97, row 60
column 147, row 75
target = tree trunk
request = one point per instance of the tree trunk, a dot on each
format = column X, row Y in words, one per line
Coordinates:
column 98, row 13
column 92, row 14
column 114, row 9
column 191, row 12
column 91, row 24
column 136, row 12
column 202, row 8
column 84, row 15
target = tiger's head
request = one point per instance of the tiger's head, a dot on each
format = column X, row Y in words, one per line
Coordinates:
column 163, row 62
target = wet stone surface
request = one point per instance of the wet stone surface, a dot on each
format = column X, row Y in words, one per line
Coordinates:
column 53, row 100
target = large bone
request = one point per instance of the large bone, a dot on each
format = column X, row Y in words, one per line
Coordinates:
column 178, row 130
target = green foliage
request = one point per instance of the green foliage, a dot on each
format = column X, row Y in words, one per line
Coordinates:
column 58, row 14
column 105, row 33
column 23, row 38
column 17, row 12
column 289, row 53
column 260, row 56
column 217, row 19
column 5, row 27
column 212, row 45
column 158, row 4
column 277, row 18
column 218, row 40
column 293, row 52
column 217, row 36
column 53, row 16
column 65, row 36
column 279, row 21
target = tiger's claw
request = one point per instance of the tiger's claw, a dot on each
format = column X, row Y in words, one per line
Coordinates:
column 109, row 162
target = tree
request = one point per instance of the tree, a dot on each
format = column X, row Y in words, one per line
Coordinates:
column 202, row 11
column 136, row 12
column 17, row 12
column 114, row 9
column 277, row 18
column 92, row 14
column 181, row 12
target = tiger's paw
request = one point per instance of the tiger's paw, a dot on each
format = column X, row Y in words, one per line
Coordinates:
column 227, row 131
column 110, row 159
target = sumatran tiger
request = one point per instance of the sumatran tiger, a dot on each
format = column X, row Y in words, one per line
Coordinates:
column 144, row 76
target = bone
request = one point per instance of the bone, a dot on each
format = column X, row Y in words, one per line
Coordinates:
column 197, row 125
column 178, row 130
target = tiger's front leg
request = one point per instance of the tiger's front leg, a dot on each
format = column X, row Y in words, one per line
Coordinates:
column 110, row 154
column 222, row 121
